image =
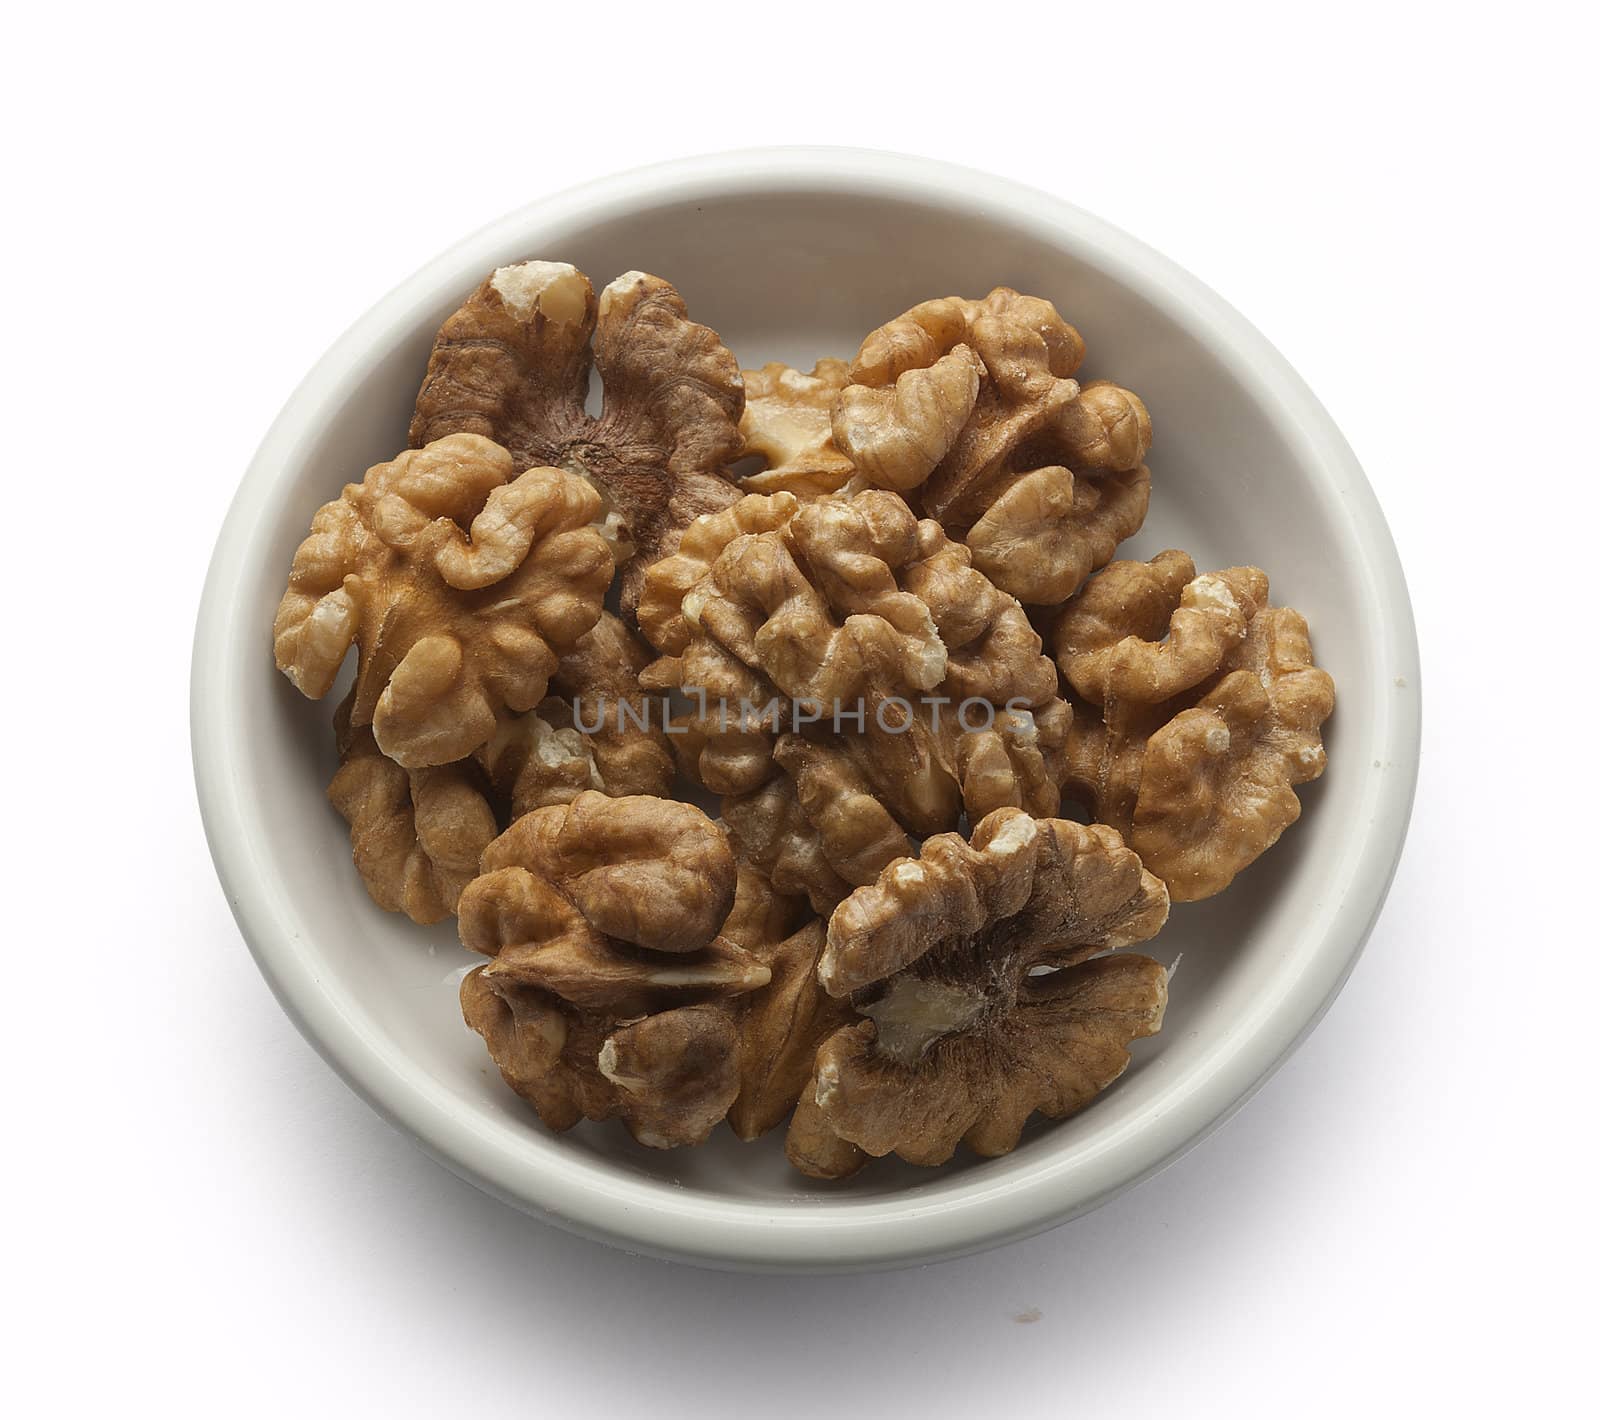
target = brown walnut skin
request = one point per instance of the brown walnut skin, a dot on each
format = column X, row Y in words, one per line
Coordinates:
column 608, row 992
column 624, row 724
column 670, row 1077
column 970, row 409
column 459, row 585
column 613, row 905
column 1201, row 711
column 513, row 364
column 540, row 759
column 979, row 967
column 416, row 835
column 850, row 600
column 780, row 1026
column 600, row 730
column 671, row 1074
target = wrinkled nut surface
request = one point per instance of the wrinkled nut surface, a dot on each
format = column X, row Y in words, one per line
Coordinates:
column 601, row 730
column 608, row 993
column 1147, row 631
column 611, row 904
column 811, row 602
column 770, row 831
column 978, row 968
column 459, row 585
column 842, row 810
column 513, row 364
column 1203, row 710
column 540, row 759
column 670, row 1077
column 670, row 1071
column 947, row 703
column 788, row 423
column 969, row 408
column 416, row 835
column 625, row 725
column 761, row 916
column 780, row 1026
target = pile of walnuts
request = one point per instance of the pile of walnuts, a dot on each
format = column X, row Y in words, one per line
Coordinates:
column 870, row 616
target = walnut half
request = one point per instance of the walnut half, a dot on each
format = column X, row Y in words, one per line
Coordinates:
column 513, row 364
column 610, row 904
column 970, row 409
column 606, row 996
column 587, row 1026
column 979, row 968
column 929, row 692
column 1203, row 711
column 459, row 584
column 416, row 834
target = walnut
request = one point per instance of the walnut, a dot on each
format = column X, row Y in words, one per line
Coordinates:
column 843, row 809
column 459, row 585
column 670, row 1056
column 671, row 1077
column 761, row 916
column 773, row 606
column 608, row 993
column 969, row 409
column 811, row 603
column 978, row 967
column 725, row 741
column 1203, row 711
column 416, row 834
column 855, row 650
column 660, row 610
column 610, row 904
column 788, row 422
column 540, row 759
column 625, row 727
column 1018, row 762
column 780, row 1026
column 769, row 830
column 600, row 731
column 1146, row 631
column 513, row 363
column 810, row 1143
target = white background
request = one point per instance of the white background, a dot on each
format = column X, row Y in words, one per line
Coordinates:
column 200, row 1217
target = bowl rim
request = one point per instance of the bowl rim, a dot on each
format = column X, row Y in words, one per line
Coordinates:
column 852, row 1234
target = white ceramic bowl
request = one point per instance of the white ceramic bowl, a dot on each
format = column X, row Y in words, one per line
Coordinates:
column 792, row 254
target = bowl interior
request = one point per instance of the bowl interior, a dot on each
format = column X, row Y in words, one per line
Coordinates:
column 792, row 275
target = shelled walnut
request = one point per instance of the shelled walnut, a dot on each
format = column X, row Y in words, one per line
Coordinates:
column 586, row 1021
column 897, row 687
column 969, row 408
column 978, row 966
column 540, row 759
column 780, row 1025
column 844, row 804
column 670, row 1076
column 513, row 363
column 599, row 730
column 416, row 834
column 788, row 424
column 609, row 903
column 623, row 723
column 1202, row 711
column 459, row 585
column 603, row 920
